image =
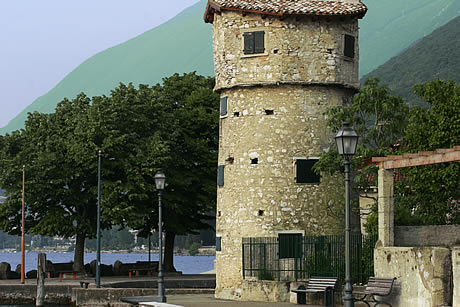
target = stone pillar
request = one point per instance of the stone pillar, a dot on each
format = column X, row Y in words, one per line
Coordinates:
column 456, row 275
column 386, row 207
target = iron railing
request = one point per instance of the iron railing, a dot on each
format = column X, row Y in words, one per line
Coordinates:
column 307, row 256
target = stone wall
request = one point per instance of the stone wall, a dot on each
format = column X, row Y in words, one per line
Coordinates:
column 260, row 200
column 436, row 235
column 264, row 290
column 424, row 275
column 456, row 275
column 307, row 49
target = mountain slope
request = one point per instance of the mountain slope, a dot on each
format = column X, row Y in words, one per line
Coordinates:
column 184, row 44
column 391, row 26
column 436, row 56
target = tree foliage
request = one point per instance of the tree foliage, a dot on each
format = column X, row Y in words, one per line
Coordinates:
column 171, row 126
column 423, row 195
column 379, row 118
column 431, row 194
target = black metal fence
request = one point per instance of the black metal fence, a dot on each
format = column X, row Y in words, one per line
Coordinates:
column 304, row 256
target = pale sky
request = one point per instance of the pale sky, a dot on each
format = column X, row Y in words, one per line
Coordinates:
column 41, row 41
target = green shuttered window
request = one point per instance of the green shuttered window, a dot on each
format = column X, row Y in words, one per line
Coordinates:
column 220, row 175
column 290, row 245
column 349, row 46
column 254, row 42
column 305, row 172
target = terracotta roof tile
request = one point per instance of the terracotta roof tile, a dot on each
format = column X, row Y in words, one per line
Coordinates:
column 289, row 7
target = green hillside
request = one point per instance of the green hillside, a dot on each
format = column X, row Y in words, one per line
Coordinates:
column 391, row 26
column 184, row 44
column 437, row 56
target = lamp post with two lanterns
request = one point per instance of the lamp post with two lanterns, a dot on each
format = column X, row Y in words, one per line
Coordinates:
column 347, row 140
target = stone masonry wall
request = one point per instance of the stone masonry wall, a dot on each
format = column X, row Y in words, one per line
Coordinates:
column 424, row 275
column 432, row 235
column 262, row 199
column 276, row 104
column 308, row 50
column 456, row 276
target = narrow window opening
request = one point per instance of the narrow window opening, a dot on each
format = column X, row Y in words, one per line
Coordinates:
column 261, row 212
column 269, row 112
column 236, row 114
column 349, row 46
column 255, row 161
column 218, row 244
column 223, row 106
column 220, row 175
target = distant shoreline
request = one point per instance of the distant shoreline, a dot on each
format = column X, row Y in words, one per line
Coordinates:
column 203, row 251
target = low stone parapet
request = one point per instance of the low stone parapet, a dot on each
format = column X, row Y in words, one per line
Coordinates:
column 424, row 275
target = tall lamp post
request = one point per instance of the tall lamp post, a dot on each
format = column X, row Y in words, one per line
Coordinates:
column 98, row 246
column 347, row 140
column 23, row 250
column 160, row 179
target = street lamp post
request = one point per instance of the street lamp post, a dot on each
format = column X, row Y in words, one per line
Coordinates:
column 98, row 247
column 347, row 140
column 160, row 179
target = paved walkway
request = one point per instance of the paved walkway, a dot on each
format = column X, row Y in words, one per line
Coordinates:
column 208, row 300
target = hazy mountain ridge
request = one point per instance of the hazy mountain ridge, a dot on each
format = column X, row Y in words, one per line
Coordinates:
column 184, row 44
column 437, row 56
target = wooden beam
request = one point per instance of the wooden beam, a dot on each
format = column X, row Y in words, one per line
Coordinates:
column 424, row 158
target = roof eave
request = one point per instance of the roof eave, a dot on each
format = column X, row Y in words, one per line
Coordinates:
column 212, row 8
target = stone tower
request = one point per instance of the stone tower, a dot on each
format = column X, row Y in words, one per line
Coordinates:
column 279, row 64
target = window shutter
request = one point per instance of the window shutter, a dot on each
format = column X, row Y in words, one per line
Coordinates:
column 223, row 106
column 248, row 42
column 290, row 245
column 220, row 175
column 218, row 244
column 259, row 42
column 305, row 172
column 349, row 46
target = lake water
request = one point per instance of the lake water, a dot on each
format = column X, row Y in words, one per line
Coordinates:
column 185, row 264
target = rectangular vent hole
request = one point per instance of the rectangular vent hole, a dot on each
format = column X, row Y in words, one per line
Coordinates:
column 255, row 161
column 269, row 112
column 261, row 212
column 236, row 114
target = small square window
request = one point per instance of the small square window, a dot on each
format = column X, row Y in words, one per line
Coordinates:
column 305, row 172
column 254, row 42
column 349, row 46
column 290, row 245
column 223, row 106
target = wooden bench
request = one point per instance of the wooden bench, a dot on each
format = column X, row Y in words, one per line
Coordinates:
column 377, row 286
column 316, row 285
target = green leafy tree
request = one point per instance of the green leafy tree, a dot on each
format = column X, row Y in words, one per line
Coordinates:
column 380, row 119
column 430, row 195
column 190, row 197
column 173, row 126
column 59, row 151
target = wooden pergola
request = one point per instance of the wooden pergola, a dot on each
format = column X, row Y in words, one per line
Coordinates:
column 386, row 183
